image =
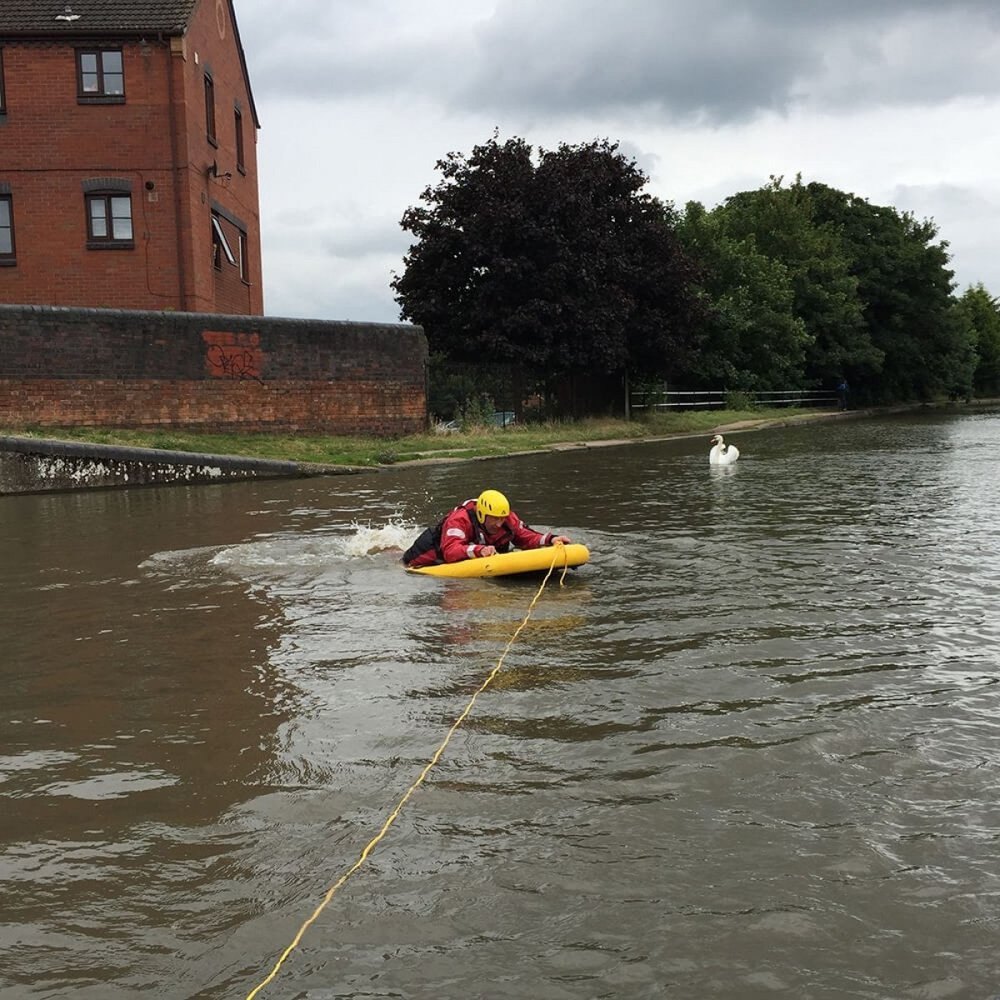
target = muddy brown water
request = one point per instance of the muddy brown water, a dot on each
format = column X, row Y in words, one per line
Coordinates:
column 750, row 750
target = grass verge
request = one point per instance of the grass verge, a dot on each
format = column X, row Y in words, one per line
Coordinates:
column 473, row 442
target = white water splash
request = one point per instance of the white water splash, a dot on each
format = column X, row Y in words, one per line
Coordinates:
column 315, row 550
column 360, row 541
column 367, row 540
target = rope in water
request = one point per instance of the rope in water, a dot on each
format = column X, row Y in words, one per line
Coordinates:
column 370, row 846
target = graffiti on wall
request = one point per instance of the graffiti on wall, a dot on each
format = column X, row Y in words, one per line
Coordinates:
column 233, row 355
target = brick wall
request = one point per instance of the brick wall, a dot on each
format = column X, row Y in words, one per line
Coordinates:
column 209, row 46
column 64, row 367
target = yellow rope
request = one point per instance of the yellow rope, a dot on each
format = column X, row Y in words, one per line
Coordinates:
column 370, row 846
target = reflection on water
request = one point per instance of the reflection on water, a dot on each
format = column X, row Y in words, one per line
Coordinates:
column 749, row 750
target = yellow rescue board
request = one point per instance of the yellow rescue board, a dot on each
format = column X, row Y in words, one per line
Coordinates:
column 521, row 561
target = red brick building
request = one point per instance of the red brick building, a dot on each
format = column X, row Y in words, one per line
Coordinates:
column 128, row 166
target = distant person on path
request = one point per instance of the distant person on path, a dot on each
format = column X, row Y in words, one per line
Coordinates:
column 842, row 390
column 484, row 526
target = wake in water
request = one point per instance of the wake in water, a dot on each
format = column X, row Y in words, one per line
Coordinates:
column 316, row 550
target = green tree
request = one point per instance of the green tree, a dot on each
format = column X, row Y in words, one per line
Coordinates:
column 751, row 337
column 905, row 287
column 560, row 261
column 781, row 223
column 982, row 313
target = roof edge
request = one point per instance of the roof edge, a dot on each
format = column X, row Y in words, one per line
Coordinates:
column 243, row 63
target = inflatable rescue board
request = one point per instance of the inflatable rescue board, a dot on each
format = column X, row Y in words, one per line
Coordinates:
column 520, row 561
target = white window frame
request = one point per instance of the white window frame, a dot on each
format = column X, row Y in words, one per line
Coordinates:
column 223, row 242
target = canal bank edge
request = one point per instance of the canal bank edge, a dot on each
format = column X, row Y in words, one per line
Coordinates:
column 737, row 425
column 41, row 465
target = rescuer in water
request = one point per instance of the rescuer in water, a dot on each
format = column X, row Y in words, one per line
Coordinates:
column 484, row 526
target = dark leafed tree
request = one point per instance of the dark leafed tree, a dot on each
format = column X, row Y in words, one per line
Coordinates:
column 981, row 313
column 559, row 261
column 905, row 290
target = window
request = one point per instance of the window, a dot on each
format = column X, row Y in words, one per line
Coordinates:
column 109, row 220
column 244, row 263
column 6, row 229
column 100, row 74
column 210, row 110
column 3, row 100
column 240, row 164
column 229, row 243
column 220, row 245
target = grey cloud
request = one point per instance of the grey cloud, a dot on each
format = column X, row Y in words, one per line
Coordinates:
column 320, row 297
column 337, row 49
column 721, row 61
column 966, row 219
column 716, row 61
column 677, row 57
column 953, row 199
column 364, row 241
column 336, row 231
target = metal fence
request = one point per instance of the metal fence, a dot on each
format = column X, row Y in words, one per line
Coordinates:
column 519, row 393
column 683, row 399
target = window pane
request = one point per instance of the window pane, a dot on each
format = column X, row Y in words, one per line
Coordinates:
column 239, row 139
column 114, row 73
column 219, row 238
column 98, row 218
column 209, row 108
column 121, row 218
column 6, row 230
column 89, row 79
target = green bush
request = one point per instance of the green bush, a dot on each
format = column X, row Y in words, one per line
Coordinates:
column 740, row 400
column 476, row 411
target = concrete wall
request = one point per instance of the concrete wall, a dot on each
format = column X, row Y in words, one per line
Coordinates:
column 62, row 367
column 38, row 465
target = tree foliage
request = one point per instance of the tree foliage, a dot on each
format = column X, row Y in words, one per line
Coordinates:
column 981, row 313
column 866, row 288
column 781, row 224
column 905, row 292
column 752, row 338
column 559, row 261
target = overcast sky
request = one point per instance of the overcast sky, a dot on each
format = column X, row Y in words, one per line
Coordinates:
column 896, row 101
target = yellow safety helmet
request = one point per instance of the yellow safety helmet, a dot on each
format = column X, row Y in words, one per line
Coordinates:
column 491, row 502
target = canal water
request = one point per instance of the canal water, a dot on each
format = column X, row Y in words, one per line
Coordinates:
column 752, row 749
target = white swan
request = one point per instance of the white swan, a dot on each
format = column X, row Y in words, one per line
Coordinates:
column 722, row 453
